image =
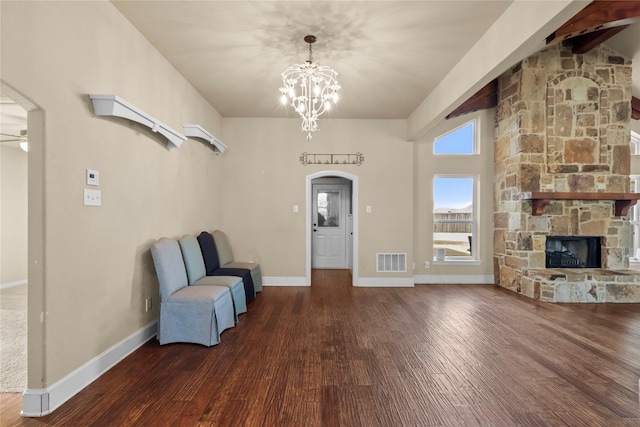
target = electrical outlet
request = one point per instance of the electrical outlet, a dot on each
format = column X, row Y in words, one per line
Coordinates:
column 147, row 305
column 427, row 264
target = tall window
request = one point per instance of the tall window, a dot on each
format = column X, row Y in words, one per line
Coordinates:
column 461, row 140
column 634, row 222
column 634, row 212
column 454, row 217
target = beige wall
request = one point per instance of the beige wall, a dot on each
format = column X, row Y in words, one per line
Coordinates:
column 264, row 179
column 13, row 214
column 97, row 267
column 426, row 165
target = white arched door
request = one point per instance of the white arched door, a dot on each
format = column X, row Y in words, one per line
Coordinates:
column 329, row 226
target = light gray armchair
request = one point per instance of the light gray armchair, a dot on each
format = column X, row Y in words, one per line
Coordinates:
column 194, row 314
column 196, row 273
column 225, row 255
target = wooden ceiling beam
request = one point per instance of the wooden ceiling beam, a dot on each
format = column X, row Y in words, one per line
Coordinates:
column 593, row 25
column 583, row 44
column 598, row 15
column 485, row 98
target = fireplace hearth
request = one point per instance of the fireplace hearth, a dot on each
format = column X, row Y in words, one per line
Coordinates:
column 573, row 252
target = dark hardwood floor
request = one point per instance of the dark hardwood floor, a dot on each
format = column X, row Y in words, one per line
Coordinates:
column 334, row 355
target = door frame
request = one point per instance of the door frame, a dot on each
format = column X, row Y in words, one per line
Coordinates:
column 354, row 204
column 344, row 189
column 36, row 227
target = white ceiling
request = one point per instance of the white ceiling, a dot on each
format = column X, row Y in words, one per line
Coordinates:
column 389, row 54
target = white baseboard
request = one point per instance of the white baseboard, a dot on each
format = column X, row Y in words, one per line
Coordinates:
column 40, row 402
column 385, row 282
column 12, row 284
column 283, row 281
column 452, row 279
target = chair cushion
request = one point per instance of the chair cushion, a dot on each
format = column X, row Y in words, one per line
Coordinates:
column 247, row 280
column 205, row 293
column 225, row 256
column 236, row 287
column 227, row 281
column 193, row 260
column 239, row 264
column 209, row 252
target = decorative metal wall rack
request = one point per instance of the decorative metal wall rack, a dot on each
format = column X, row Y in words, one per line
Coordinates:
column 332, row 159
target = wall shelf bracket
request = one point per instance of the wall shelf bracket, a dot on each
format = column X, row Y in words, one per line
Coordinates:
column 112, row 105
column 197, row 131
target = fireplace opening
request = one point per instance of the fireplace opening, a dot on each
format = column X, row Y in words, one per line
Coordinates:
column 573, row 252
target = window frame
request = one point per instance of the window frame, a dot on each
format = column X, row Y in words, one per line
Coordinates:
column 475, row 133
column 635, row 143
column 473, row 257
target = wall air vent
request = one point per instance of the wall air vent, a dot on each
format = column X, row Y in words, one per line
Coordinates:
column 391, row 263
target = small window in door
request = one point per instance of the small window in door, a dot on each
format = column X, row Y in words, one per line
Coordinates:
column 328, row 208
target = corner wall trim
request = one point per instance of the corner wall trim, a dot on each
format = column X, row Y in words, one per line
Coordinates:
column 284, row 281
column 40, row 402
column 385, row 282
column 452, row 279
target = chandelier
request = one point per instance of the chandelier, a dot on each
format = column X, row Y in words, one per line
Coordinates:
column 310, row 89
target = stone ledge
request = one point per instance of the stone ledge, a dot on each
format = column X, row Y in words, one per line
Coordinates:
column 585, row 285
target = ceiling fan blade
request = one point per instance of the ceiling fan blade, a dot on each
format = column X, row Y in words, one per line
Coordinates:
column 11, row 135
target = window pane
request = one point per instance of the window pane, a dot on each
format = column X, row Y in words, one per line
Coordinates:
column 328, row 208
column 453, row 216
column 459, row 141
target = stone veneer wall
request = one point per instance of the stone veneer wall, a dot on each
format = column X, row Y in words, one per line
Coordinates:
column 562, row 124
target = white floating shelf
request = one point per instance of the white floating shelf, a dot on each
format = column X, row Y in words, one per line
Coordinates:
column 112, row 105
column 196, row 131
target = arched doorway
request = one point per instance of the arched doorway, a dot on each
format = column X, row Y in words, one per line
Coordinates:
column 36, row 374
column 309, row 220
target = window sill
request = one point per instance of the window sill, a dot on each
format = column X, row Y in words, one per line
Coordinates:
column 457, row 262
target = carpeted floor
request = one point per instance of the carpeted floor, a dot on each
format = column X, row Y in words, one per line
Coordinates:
column 13, row 339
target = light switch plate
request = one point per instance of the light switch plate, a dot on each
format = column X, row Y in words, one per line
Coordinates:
column 92, row 197
column 93, row 177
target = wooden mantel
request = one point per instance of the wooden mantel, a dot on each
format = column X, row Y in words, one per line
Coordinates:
column 540, row 199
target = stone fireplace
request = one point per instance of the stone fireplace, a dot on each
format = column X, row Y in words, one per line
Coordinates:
column 562, row 165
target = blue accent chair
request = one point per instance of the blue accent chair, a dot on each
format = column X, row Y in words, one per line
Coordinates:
column 193, row 314
column 225, row 256
column 212, row 265
column 197, row 274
